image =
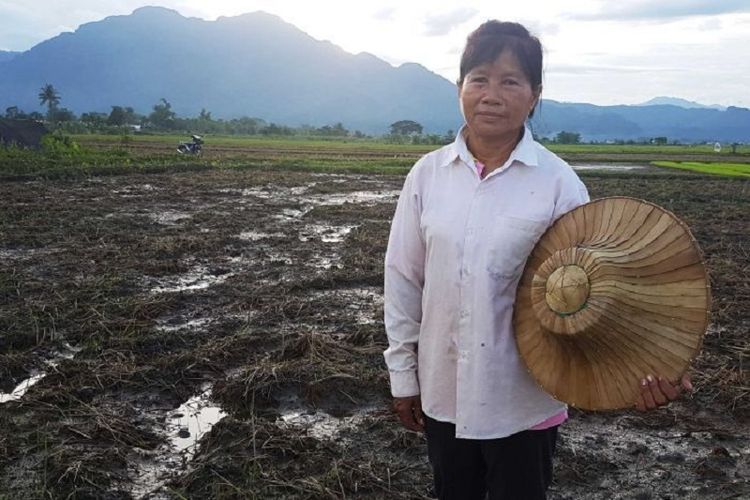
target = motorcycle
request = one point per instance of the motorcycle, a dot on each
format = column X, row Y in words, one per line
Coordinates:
column 191, row 148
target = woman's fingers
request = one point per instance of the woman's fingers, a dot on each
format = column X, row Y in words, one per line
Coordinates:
column 656, row 392
column 653, row 385
column 687, row 384
column 647, row 396
column 409, row 411
column 671, row 391
column 640, row 404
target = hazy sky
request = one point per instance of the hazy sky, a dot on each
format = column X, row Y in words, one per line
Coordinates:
column 598, row 51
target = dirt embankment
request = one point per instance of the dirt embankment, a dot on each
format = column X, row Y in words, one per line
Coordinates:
column 147, row 309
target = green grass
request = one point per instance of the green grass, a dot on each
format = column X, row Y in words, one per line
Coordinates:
column 332, row 144
column 27, row 164
column 263, row 142
column 678, row 149
column 726, row 169
column 17, row 164
column 378, row 144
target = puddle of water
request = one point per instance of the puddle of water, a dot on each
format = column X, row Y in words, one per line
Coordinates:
column 279, row 257
column 261, row 193
column 189, row 422
column 368, row 197
column 321, row 262
column 194, row 324
column 302, row 189
column 327, row 234
column 21, row 388
column 135, row 190
column 289, row 214
column 295, row 194
column 185, row 426
column 361, row 301
column 319, row 424
column 258, row 235
column 608, row 167
column 268, row 192
column 168, row 217
column 198, row 278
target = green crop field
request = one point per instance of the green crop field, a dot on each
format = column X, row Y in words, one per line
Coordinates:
column 379, row 144
column 729, row 169
column 266, row 142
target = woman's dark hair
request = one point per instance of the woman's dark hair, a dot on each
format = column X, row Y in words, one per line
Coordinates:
column 489, row 40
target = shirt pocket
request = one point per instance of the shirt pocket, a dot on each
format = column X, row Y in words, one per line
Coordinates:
column 512, row 240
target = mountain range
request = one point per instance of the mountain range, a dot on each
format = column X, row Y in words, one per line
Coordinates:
column 261, row 66
column 682, row 103
column 7, row 56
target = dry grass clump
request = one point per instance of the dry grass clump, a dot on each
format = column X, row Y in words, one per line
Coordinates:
column 259, row 459
column 313, row 367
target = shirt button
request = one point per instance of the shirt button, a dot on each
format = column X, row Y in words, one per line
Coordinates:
column 464, row 313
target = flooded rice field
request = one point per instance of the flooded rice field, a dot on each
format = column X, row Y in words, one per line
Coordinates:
column 220, row 335
column 612, row 168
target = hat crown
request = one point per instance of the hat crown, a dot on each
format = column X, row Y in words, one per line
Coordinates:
column 567, row 289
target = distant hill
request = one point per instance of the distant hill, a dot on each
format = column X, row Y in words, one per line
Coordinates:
column 7, row 56
column 260, row 66
column 682, row 103
column 604, row 123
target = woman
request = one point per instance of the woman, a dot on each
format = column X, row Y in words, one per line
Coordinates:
column 468, row 216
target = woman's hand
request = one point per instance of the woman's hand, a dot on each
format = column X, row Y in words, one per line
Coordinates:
column 409, row 411
column 656, row 391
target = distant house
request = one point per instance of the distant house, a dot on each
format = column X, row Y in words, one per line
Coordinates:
column 22, row 133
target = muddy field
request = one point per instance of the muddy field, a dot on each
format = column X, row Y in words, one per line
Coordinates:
column 219, row 335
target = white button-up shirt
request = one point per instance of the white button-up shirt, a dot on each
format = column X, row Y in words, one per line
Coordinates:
column 457, row 247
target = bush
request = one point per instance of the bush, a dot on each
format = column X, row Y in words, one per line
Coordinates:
column 56, row 145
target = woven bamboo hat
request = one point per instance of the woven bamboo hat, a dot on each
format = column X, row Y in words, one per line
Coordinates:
column 615, row 290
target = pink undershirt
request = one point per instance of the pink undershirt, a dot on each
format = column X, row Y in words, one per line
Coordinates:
column 558, row 418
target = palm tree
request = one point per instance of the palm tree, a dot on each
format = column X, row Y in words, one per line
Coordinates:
column 48, row 95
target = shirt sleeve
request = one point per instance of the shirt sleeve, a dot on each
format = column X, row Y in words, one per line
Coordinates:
column 404, row 280
column 573, row 193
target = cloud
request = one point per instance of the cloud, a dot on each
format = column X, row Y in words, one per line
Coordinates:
column 540, row 28
column 612, row 69
column 645, row 10
column 385, row 14
column 442, row 24
column 712, row 24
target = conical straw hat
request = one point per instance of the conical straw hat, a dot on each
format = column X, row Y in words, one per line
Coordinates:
column 615, row 290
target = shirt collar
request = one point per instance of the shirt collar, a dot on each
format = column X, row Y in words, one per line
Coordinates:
column 524, row 152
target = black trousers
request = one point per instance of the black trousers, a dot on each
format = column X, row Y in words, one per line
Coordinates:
column 517, row 467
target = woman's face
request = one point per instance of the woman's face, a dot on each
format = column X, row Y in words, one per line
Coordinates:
column 496, row 98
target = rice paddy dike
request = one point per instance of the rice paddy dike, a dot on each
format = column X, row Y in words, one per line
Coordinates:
column 212, row 328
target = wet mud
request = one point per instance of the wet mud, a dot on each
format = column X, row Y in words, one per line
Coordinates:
column 219, row 335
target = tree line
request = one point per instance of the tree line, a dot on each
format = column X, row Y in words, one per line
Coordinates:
column 162, row 118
